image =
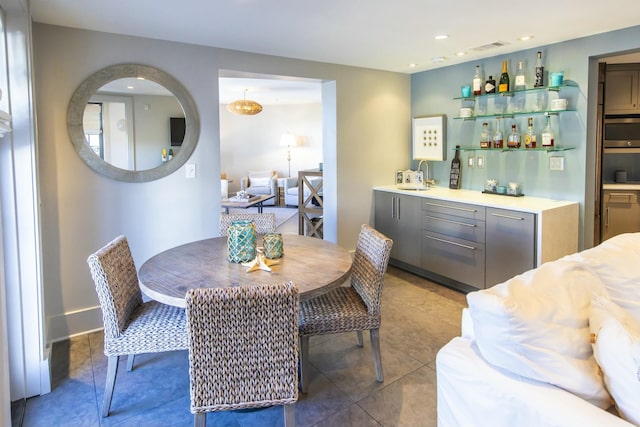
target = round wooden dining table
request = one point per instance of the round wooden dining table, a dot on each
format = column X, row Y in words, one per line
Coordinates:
column 313, row 264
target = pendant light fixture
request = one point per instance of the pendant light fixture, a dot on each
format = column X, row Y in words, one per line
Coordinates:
column 245, row 107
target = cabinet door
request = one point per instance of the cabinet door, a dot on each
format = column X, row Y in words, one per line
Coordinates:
column 621, row 92
column 408, row 242
column 621, row 213
column 510, row 244
column 385, row 217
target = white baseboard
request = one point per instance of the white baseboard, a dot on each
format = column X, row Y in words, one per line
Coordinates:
column 72, row 323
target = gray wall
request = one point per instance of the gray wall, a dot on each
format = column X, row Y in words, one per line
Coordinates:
column 81, row 210
column 432, row 92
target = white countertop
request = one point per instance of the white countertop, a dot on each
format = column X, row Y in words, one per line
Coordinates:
column 524, row 203
column 631, row 185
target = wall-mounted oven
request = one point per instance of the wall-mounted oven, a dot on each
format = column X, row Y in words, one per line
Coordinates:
column 621, row 132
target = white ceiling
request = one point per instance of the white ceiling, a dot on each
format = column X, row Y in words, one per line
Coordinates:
column 379, row 34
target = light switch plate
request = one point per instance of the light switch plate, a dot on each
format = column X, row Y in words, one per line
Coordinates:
column 556, row 163
column 480, row 162
column 190, row 170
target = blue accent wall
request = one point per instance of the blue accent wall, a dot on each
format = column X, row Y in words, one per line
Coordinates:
column 433, row 92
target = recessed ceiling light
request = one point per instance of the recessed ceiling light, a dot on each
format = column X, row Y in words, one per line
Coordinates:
column 438, row 59
column 461, row 53
column 413, row 65
column 441, row 36
column 525, row 38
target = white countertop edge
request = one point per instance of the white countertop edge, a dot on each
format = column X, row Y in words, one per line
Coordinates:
column 524, row 203
column 619, row 186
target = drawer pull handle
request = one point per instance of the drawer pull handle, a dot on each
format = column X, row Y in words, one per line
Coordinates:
column 451, row 207
column 452, row 243
column 508, row 216
column 451, row 222
column 622, row 194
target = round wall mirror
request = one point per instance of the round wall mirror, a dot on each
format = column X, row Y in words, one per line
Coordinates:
column 133, row 123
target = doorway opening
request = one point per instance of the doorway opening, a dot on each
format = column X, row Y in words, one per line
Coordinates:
column 295, row 131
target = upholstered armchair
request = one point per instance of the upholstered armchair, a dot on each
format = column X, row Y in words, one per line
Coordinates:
column 260, row 183
column 291, row 190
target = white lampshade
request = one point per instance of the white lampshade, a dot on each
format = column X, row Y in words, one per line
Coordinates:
column 288, row 140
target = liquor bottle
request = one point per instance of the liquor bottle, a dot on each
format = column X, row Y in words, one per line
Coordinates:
column 498, row 139
column 485, row 136
column 547, row 134
column 477, row 82
column 503, row 85
column 454, row 176
column 513, row 140
column 490, row 85
column 539, row 71
column 530, row 136
column 170, row 154
column 164, row 155
column 520, row 79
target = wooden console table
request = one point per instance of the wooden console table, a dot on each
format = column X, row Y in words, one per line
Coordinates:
column 310, row 204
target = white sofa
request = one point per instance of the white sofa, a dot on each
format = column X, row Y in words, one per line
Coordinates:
column 555, row 346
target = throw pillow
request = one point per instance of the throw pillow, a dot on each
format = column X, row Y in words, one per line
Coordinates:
column 261, row 174
column 259, row 182
column 615, row 261
column 536, row 325
column 616, row 348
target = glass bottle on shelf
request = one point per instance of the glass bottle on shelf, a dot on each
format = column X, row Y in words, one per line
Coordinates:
column 498, row 138
column 548, row 139
column 521, row 83
column 513, row 140
column 485, row 136
column 490, row 85
column 477, row 82
column 454, row 177
column 530, row 135
column 539, row 71
column 503, row 85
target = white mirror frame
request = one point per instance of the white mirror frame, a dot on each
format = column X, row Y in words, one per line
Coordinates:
column 90, row 86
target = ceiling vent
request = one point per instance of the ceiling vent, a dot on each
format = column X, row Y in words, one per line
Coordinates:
column 489, row 46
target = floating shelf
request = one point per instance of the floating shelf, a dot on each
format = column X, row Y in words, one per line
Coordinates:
column 565, row 84
column 522, row 149
column 512, row 115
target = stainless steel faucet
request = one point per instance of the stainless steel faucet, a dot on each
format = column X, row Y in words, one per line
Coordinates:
column 426, row 181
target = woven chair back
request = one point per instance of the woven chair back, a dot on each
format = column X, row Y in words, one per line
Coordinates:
column 265, row 222
column 369, row 265
column 243, row 346
column 116, row 279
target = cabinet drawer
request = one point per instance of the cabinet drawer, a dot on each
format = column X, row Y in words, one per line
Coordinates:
column 455, row 226
column 620, row 197
column 457, row 259
column 462, row 210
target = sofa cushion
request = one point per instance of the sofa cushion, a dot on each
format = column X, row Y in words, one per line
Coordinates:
column 617, row 262
column 536, row 325
column 616, row 348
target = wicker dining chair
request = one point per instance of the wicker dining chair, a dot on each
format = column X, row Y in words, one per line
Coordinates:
column 265, row 222
column 243, row 349
column 131, row 326
column 353, row 308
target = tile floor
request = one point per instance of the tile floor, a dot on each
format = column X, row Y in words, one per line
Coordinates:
column 419, row 317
